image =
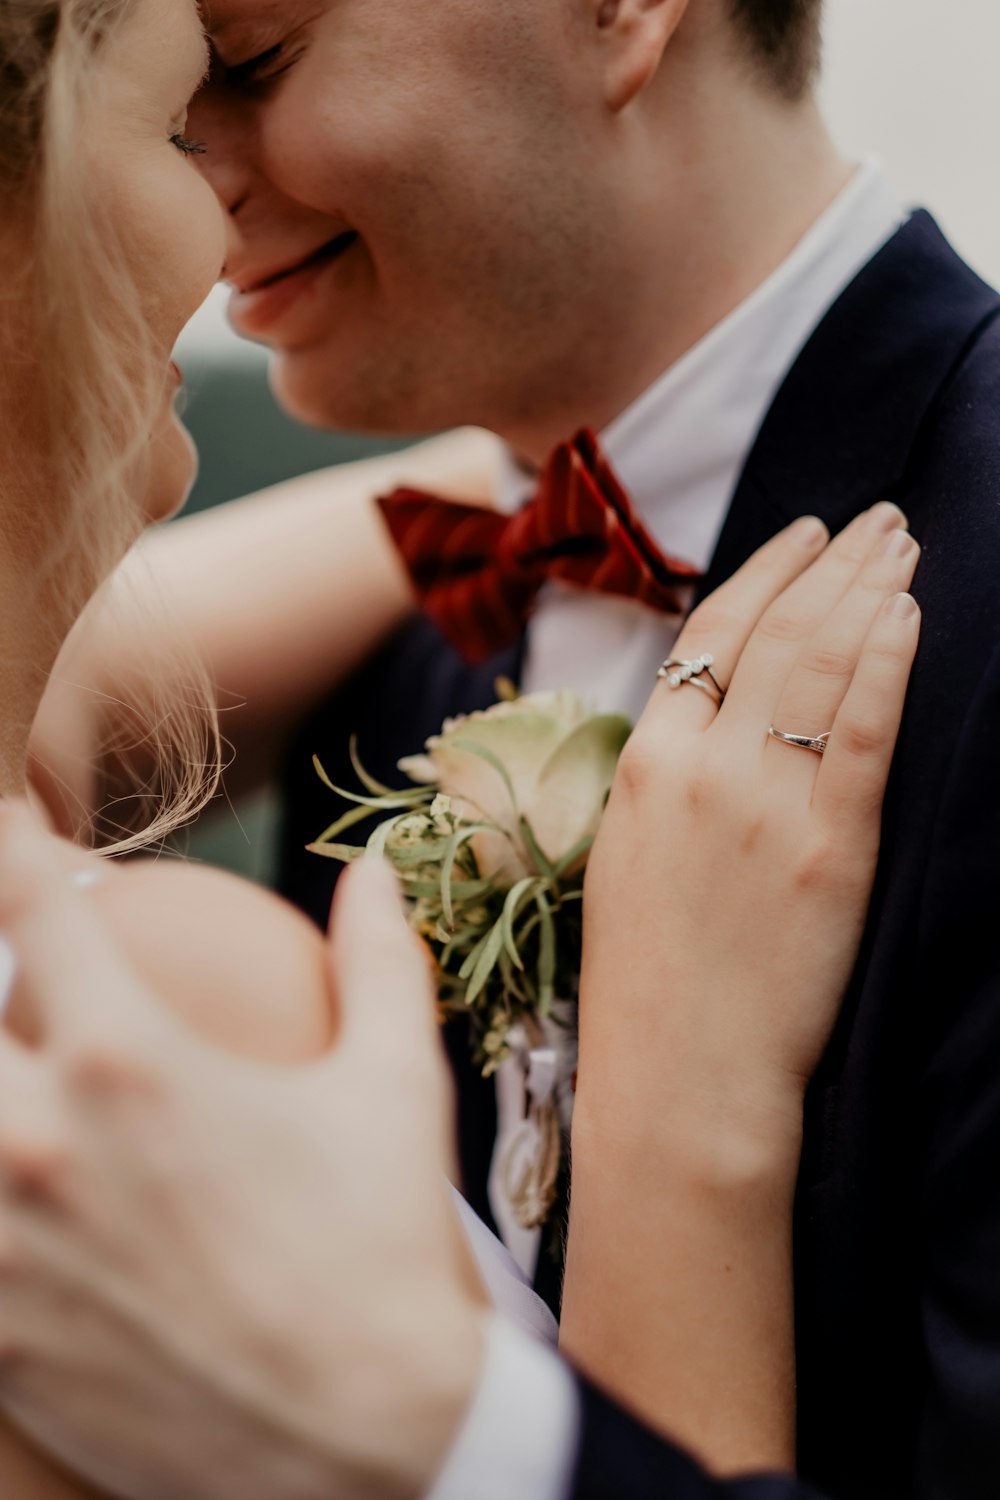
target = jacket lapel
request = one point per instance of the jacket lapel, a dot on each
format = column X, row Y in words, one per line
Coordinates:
column 842, row 430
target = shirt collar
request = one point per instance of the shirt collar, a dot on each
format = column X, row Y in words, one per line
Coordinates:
column 680, row 447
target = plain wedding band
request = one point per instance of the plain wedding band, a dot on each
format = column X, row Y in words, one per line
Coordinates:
column 801, row 741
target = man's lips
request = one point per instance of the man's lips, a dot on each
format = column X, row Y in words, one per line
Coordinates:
column 247, row 285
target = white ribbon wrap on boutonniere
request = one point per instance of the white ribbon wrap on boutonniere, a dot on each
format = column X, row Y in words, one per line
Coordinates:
column 536, row 1087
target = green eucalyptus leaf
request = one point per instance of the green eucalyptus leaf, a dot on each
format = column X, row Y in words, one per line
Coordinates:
column 486, row 962
column 401, row 797
column 377, row 788
column 346, row 853
column 416, row 853
column 516, row 898
column 512, row 988
column 546, row 956
column 461, row 890
column 573, row 856
column 450, row 942
column 377, row 842
column 541, row 859
column 367, row 808
column 472, row 958
column 349, row 820
column 321, row 773
column 461, row 836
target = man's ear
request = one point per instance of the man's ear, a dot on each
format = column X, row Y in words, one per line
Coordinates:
column 635, row 33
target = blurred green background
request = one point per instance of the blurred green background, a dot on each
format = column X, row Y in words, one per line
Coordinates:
column 246, row 443
column 244, row 439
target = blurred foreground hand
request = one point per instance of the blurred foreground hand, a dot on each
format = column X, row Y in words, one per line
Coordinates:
column 219, row 1279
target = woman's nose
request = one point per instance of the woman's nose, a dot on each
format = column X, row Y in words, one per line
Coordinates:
column 216, row 119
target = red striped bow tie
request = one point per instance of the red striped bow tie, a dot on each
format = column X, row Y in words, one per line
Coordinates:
column 478, row 572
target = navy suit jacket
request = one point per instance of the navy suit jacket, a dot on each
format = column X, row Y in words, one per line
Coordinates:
column 897, row 1234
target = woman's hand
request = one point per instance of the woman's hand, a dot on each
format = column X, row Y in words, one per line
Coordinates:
column 725, row 904
column 265, row 1258
column 728, row 890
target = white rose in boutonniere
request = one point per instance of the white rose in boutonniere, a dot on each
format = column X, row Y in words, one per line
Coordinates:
column 491, row 846
column 538, row 769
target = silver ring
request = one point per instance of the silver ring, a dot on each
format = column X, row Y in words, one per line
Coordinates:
column 692, row 674
column 801, row 741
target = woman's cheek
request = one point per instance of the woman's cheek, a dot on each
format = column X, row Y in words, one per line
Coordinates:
column 176, row 238
column 205, row 242
column 190, row 248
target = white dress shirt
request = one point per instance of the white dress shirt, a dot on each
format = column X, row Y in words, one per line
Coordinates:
column 519, row 1438
column 507, row 1285
column 679, row 450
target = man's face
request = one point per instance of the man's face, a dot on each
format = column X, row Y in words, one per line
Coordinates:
column 434, row 169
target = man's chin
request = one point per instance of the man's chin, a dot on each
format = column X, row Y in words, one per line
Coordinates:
column 311, row 388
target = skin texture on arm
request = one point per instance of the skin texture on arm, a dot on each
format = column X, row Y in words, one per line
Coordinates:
column 282, row 594
column 720, row 935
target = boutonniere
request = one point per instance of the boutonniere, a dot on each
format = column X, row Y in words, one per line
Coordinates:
column 490, row 841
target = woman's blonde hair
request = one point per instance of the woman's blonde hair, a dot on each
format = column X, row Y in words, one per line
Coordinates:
column 102, row 385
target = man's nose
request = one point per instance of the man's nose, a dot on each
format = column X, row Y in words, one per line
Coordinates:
column 215, row 119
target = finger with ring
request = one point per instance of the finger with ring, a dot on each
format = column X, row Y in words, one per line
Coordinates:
column 801, row 741
column 791, row 624
column 722, row 623
column 818, row 681
column 696, row 673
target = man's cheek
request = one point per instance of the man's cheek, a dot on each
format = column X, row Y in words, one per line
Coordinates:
column 347, row 151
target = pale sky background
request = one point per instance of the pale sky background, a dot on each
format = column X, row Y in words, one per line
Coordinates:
column 915, row 83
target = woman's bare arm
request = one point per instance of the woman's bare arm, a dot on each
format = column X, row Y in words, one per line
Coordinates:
column 283, row 593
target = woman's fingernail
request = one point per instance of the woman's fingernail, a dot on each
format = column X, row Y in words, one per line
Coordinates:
column 885, row 516
column 8, row 972
column 809, row 530
column 897, row 545
column 904, row 606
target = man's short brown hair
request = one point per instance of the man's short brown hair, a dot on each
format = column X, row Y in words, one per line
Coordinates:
column 784, row 36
